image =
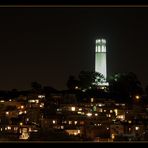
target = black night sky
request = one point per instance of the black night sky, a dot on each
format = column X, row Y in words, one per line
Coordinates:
column 47, row 44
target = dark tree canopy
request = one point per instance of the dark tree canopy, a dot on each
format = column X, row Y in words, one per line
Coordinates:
column 126, row 84
column 36, row 86
column 86, row 80
column 90, row 79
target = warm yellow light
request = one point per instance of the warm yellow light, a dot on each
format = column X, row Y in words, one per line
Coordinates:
column 62, row 127
column 37, row 101
column 129, row 121
column 92, row 99
column 20, row 112
column 137, row 97
column 121, row 117
column 76, row 87
column 111, row 111
column 136, row 128
column 75, row 122
column 116, row 112
column 41, row 96
column 113, row 136
column 102, row 87
column 89, row 114
column 70, row 122
column 73, row 108
column 7, row 113
column 9, row 127
column 21, row 123
column 22, row 107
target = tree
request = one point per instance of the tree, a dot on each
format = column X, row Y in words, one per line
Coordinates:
column 125, row 84
column 72, row 82
column 36, row 86
column 86, row 80
column 90, row 79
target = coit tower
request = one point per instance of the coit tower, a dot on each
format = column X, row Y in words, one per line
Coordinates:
column 100, row 57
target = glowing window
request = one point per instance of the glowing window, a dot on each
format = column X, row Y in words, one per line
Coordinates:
column 136, row 128
column 73, row 108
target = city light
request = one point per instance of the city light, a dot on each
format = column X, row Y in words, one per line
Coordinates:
column 73, row 108
column 137, row 97
column 137, row 128
column 92, row 100
column 76, row 87
column 89, row 114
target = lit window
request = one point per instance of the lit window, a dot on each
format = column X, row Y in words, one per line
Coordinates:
column 76, row 87
column 62, row 127
column 79, row 112
column 100, row 110
column 37, row 101
column 42, row 105
column 70, row 122
column 27, row 119
column 20, row 112
column 137, row 97
column 75, row 122
column 113, row 136
column 100, row 105
column 7, row 113
column 129, row 121
column 80, row 109
column 21, row 123
column 73, row 108
column 136, row 128
column 9, row 127
column 30, row 129
column 65, row 122
column 107, row 128
column 15, row 128
column 41, row 96
column 116, row 112
column 92, row 99
column 89, row 114
column 22, row 106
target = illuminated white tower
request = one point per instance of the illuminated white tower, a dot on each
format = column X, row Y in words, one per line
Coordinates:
column 100, row 57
